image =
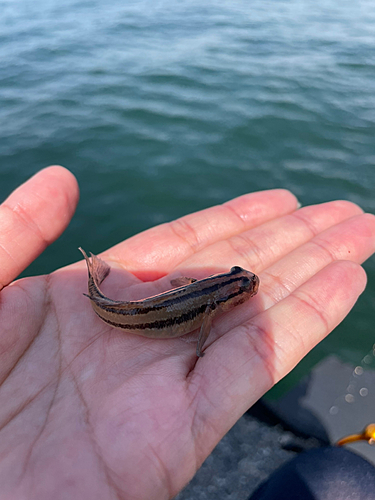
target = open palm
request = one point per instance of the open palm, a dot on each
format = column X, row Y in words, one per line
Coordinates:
column 87, row 411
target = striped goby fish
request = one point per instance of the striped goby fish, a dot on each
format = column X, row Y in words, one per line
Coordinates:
column 176, row 312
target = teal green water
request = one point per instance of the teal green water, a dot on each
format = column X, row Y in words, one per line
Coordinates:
column 161, row 108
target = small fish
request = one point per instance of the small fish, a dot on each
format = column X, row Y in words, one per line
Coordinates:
column 171, row 314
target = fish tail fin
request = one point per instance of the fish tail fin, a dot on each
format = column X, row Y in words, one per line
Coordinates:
column 98, row 269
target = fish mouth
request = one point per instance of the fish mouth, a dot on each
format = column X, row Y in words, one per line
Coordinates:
column 251, row 283
column 256, row 283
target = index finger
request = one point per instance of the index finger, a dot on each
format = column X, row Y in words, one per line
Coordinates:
column 157, row 251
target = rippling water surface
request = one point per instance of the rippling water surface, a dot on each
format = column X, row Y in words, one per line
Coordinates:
column 161, row 108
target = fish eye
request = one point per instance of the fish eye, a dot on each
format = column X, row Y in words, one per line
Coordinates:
column 245, row 283
column 236, row 269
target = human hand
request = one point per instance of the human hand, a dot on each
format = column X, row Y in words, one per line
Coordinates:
column 87, row 411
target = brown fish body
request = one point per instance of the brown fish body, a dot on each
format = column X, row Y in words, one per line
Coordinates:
column 175, row 312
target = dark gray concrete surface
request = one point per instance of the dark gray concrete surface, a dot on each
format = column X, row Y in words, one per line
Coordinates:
column 335, row 399
column 242, row 460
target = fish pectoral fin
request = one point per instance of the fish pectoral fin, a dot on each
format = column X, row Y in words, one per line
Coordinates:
column 182, row 281
column 206, row 327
